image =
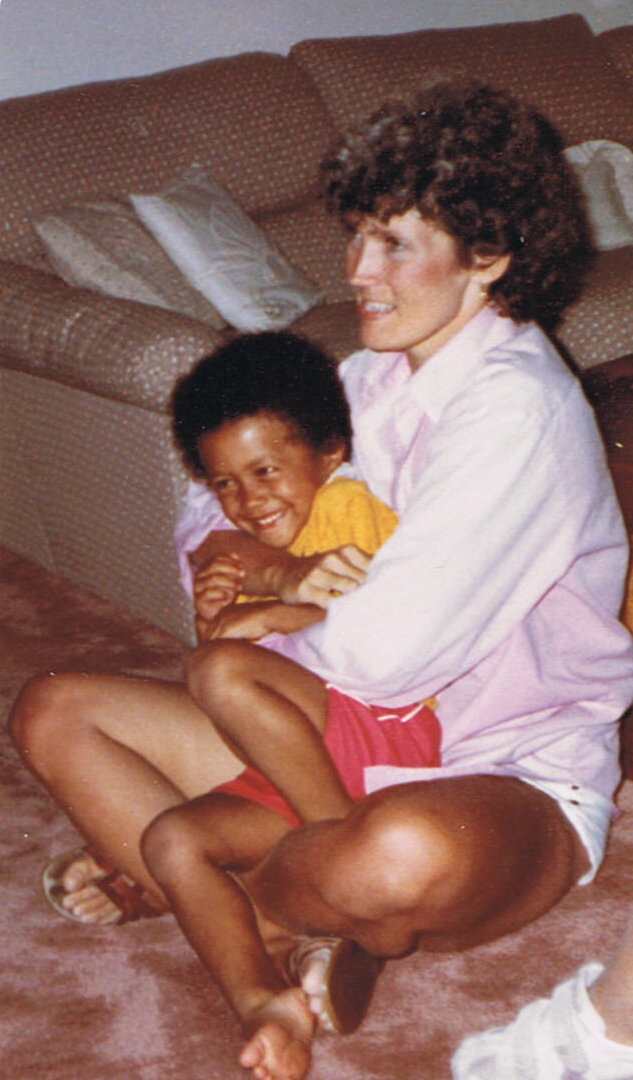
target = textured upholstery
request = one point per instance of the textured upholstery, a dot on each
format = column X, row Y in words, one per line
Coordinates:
column 122, row 350
column 556, row 64
column 89, row 476
column 246, row 117
column 618, row 44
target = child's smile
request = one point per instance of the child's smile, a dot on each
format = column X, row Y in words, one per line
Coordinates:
column 264, row 474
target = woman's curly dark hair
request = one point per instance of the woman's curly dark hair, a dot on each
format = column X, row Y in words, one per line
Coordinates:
column 274, row 372
column 488, row 170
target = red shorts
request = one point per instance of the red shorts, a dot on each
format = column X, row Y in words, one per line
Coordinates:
column 356, row 735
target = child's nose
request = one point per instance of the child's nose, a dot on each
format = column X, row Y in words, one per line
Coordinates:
column 253, row 496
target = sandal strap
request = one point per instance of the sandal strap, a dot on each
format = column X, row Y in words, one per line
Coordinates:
column 132, row 900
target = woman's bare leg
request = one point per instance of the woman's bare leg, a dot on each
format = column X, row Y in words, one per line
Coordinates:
column 114, row 752
column 445, row 864
column 274, row 713
column 189, row 850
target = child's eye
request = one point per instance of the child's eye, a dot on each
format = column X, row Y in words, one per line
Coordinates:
column 223, row 484
column 266, row 470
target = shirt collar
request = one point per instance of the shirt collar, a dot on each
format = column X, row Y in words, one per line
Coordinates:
column 451, row 367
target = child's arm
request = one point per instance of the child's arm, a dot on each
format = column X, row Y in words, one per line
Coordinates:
column 255, row 620
column 274, row 571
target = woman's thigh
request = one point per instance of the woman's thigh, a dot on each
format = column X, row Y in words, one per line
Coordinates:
column 157, row 720
column 442, row 864
column 502, row 854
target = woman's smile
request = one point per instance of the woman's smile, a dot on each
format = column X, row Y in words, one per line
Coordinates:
column 412, row 291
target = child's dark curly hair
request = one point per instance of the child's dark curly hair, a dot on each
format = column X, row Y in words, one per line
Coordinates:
column 490, row 171
column 274, row 372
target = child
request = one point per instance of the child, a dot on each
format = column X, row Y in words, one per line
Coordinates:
column 265, row 420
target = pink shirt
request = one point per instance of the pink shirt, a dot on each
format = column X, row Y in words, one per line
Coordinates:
column 498, row 592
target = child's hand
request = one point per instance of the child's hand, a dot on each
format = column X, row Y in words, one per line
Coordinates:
column 217, row 584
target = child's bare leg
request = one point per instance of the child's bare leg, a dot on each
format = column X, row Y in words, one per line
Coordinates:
column 272, row 712
column 189, row 850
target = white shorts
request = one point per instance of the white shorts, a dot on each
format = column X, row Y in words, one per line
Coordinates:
column 589, row 813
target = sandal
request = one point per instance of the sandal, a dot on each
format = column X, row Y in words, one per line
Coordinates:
column 338, row 977
column 132, row 901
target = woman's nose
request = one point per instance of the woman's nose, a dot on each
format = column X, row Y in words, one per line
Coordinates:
column 362, row 262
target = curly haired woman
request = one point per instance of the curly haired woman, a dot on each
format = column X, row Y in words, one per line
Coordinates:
column 497, row 594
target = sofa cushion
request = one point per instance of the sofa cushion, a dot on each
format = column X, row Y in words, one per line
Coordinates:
column 556, row 64
column 118, row 349
column 103, row 246
column 618, row 46
column 254, row 119
column 332, row 326
column 313, row 238
column 599, row 326
column 223, row 254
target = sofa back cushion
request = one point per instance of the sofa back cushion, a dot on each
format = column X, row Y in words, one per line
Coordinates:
column 254, row 119
column 555, row 64
column 618, row 46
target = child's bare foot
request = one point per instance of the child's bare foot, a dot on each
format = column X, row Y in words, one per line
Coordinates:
column 281, row 1033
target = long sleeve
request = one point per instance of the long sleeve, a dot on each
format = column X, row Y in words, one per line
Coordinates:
column 512, row 487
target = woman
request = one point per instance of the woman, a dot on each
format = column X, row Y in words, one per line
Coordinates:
column 497, row 594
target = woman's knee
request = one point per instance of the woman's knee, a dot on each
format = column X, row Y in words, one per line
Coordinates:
column 43, row 711
column 392, row 861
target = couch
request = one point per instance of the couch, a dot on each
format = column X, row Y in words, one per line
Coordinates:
column 90, row 479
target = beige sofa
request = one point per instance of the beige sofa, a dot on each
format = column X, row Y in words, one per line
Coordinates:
column 90, row 481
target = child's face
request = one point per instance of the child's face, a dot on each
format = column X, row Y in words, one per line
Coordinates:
column 264, row 475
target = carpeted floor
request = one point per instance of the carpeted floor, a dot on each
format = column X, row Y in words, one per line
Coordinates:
column 98, row 1004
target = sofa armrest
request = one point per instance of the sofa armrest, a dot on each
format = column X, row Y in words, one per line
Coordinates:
column 118, row 349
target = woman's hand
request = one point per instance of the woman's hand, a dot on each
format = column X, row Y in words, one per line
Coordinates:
column 216, row 585
column 318, row 579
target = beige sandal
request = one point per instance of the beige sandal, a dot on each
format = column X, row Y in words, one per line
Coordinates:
column 338, row 977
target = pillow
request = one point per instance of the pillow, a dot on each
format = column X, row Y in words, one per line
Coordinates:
column 224, row 254
column 104, row 247
column 605, row 172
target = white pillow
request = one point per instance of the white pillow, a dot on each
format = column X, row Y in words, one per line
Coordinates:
column 104, row 247
column 224, row 255
column 605, row 172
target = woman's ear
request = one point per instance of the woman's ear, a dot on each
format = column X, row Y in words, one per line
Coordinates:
column 489, row 268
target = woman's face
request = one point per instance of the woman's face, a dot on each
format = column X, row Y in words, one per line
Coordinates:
column 412, row 291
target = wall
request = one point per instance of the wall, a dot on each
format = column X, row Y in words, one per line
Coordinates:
column 51, row 43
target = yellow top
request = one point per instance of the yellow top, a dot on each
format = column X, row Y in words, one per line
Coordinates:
column 345, row 512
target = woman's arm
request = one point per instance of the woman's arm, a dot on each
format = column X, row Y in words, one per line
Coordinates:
column 270, row 571
column 257, row 619
column 512, row 478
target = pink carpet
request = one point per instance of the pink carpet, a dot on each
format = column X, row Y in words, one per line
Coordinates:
column 133, row 1003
